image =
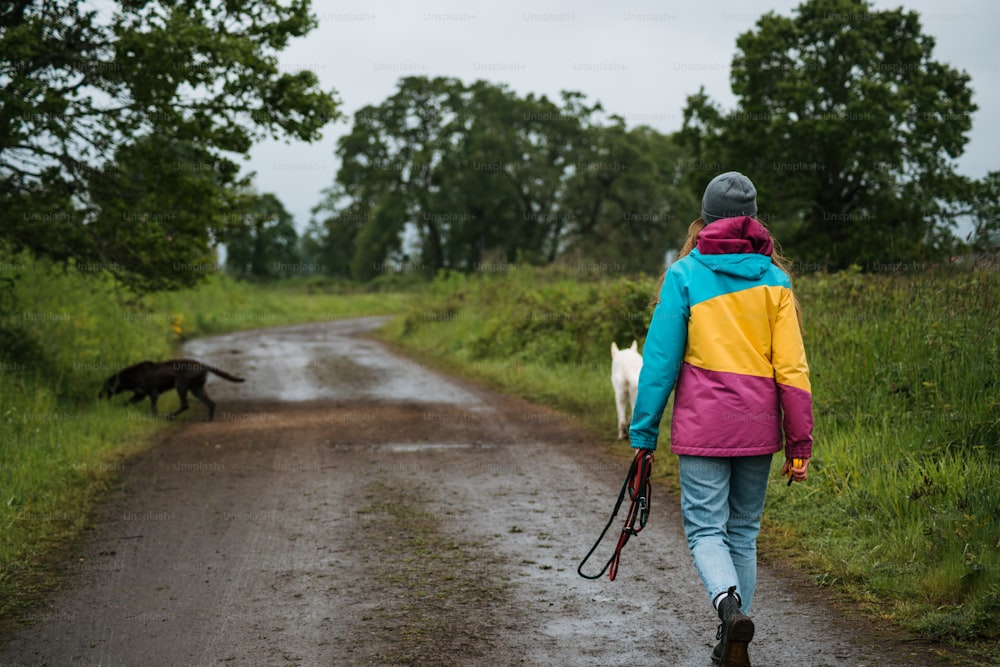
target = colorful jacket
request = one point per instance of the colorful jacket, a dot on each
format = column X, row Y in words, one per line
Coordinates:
column 726, row 334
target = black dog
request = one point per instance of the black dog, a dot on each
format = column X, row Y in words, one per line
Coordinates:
column 149, row 378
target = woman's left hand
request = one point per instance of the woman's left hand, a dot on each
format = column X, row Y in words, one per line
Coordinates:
column 799, row 473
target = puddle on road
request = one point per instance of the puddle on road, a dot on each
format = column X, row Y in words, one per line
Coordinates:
column 429, row 446
column 342, row 370
column 407, row 447
column 324, row 360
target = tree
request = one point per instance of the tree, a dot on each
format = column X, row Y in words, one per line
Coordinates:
column 444, row 162
column 848, row 127
column 263, row 245
column 475, row 175
column 985, row 210
column 330, row 241
column 627, row 203
column 151, row 224
column 85, row 93
column 502, row 189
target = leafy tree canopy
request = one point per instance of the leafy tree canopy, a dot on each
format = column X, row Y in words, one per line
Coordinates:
column 849, row 128
column 445, row 175
column 117, row 123
column 262, row 243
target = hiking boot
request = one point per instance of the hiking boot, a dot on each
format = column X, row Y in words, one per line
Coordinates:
column 735, row 632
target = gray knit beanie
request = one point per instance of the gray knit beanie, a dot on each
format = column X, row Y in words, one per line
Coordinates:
column 728, row 195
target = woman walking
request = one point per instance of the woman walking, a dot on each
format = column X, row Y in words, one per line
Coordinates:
column 726, row 339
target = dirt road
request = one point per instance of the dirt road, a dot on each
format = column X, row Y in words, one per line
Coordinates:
column 349, row 507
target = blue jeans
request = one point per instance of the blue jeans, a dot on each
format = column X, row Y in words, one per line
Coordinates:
column 721, row 503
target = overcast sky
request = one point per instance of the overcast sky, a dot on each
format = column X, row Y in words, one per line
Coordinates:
column 639, row 58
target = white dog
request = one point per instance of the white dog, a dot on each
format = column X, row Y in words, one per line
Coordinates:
column 625, row 367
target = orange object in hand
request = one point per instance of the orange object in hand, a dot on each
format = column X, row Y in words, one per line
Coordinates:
column 796, row 463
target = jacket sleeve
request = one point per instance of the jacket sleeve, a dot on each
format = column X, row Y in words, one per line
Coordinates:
column 662, row 355
column 791, row 372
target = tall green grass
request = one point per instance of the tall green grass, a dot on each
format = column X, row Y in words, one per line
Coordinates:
column 902, row 504
column 61, row 335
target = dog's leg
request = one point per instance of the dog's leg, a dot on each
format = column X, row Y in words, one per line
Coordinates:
column 153, row 396
column 633, row 393
column 203, row 397
column 136, row 397
column 621, row 402
column 182, row 394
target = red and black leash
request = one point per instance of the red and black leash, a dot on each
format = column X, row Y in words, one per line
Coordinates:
column 639, row 490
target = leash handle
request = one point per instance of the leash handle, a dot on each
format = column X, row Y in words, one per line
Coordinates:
column 639, row 488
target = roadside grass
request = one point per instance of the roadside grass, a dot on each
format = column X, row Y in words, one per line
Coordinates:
column 61, row 335
column 223, row 305
column 903, row 501
column 902, row 504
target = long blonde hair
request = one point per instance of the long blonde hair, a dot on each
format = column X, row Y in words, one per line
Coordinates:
column 692, row 240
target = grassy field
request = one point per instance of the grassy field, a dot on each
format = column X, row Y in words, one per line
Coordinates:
column 61, row 335
column 902, row 502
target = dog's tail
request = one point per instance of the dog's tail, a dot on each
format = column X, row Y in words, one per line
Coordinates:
column 224, row 375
